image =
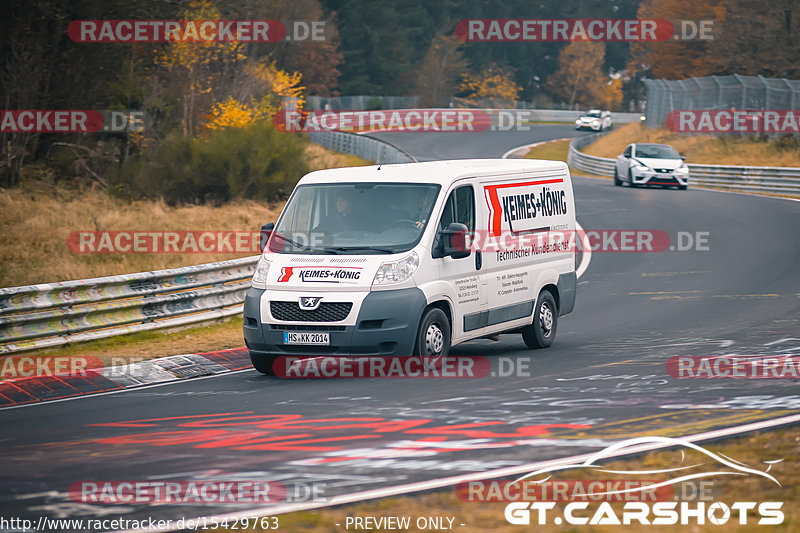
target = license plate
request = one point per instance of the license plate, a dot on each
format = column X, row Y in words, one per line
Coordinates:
column 306, row 337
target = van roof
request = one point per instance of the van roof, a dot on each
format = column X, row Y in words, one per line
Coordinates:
column 441, row 172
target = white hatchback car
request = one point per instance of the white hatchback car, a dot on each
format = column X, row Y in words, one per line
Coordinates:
column 594, row 119
column 651, row 164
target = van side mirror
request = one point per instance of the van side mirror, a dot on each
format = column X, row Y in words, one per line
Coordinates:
column 266, row 230
column 453, row 241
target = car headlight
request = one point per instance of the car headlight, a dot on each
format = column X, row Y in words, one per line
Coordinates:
column 641, row 168
column 595, row 122
column 260, row 275
column 683, row 169
column 397, row 271
column 578, row 122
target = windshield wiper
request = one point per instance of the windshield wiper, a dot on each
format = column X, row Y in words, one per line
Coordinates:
column 337, row 249
column 293, row 243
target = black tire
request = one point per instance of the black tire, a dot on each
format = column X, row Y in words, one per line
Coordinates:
column 542, row 332
column 617, row 181
column 682, row 187
column 630, row 179
column 263, row 363
column 433, row 336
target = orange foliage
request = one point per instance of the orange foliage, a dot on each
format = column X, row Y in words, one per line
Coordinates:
column 493, row 83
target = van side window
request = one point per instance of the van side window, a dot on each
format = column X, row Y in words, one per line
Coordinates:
column 460, row 207
column 627, row 152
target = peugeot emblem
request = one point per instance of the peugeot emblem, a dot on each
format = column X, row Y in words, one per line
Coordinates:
column 309, row 303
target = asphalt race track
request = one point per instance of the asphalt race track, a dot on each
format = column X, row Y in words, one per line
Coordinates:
column 603, row 380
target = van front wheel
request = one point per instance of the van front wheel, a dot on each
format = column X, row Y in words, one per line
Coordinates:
column 433, row 337
column 263, row 363
column 542, row 332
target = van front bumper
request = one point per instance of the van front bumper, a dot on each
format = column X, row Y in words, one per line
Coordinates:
column 387, row 325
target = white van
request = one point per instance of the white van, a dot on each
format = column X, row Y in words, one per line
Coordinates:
column 412, row 259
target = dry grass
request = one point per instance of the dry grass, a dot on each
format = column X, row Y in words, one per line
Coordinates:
column 319, row 158
column 480, row 517
column 553, row 150
column 35, row 225
column 37, row 217
column 722, row 150
column 556, row 151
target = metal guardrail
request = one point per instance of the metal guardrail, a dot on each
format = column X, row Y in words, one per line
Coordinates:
column 52, row 314
column 775, row 180
column 381, row 152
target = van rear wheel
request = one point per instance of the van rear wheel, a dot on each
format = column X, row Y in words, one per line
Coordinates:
column 542, row 332
column 433, row 336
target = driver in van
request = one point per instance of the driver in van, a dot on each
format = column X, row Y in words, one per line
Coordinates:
column 421, row 208
column 342, row 218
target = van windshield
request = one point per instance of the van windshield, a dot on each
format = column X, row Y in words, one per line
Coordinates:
column 354, row 218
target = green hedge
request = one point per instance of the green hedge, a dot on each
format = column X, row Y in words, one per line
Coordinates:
column 256, row 163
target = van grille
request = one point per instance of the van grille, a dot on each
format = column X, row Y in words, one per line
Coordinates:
column 326, row 312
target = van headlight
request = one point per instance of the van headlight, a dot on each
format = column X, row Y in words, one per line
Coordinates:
column 397, row 271
column 260, row 275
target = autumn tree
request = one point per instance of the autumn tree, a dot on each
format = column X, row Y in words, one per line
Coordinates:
column 197, row 66
column 679, row 59
column 580, row 78
column 613, row 93
column 264, row 90
column 493, row 83
column 440, row 71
